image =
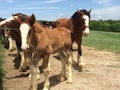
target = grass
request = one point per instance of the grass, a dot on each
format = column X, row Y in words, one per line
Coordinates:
column 101, row 40
column 1, row 67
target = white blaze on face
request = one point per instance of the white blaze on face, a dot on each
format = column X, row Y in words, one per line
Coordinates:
column 7, row 20
column 86, row 31
column 24, row 29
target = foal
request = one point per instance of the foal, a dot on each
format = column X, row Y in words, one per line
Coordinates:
column 78, row 24
column 40, row 42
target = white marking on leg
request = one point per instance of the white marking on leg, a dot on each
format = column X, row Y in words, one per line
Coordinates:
column 81, row 63
column 10, row 43
column 33, row 84
column 63, row 68
column 22, row 60
column 47, row 82
column 69, row 78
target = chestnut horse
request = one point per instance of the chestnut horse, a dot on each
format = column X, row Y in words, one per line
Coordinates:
column 40, row 42
column 78, row 24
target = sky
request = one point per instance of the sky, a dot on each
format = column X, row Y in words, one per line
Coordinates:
column 53, row 9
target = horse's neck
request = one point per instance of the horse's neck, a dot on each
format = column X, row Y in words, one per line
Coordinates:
column 68, row 24
column 77, row 24
column 39, row 29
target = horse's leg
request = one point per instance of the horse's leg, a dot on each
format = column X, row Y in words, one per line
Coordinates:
column 46, row 72
column 72, row 49
column 79, row 56
column 23, row 66
column 8, row 37
column 66, row 60
column 38, row 74
column 6, row 42
column 10, row 43
column 28, row 62
column 72, row 45
column 22, row 61
column 69, row 65
column 5, row 39
column 63, row 70
column 43, row 63
column 14, row 45
column 33, row 68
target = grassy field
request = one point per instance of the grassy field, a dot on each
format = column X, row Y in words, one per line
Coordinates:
column 1, row 66
column 101, row 40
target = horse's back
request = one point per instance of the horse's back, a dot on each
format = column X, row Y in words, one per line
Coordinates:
column 61, row 22
column 62, row 34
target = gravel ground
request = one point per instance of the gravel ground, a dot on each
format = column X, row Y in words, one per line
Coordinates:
column 102, row 72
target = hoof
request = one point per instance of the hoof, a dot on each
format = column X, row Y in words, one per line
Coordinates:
column 38, row 76
column 45, row 89
column 81, row 65
column 32, row 88
column 69, row 80
column 23, row 69
column 12, row 49
column 61, row 78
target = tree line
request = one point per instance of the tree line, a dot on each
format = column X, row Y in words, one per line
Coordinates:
column 105, row 25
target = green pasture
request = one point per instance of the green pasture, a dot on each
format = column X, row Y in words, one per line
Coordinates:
column 102, row 40
column 1, row 66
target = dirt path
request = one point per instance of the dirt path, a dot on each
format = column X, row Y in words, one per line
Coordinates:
column 102, row 72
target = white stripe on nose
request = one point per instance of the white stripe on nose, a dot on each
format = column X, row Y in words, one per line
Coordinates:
column 86, row 31
column 24, row 47
column 24, row 29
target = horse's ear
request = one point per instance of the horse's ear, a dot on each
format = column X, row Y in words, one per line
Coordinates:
column 32, row 19
column 16, row 18
column 90, row 10
column 79, row 11
column 12, row 14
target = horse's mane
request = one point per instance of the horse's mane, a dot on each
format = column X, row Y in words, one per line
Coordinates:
column 1, row 19
column 39, row 27
column 77, row 21
column 76, row 16
column 13, row 23
column 22, row 16
column 62, row 19
column 85, row 12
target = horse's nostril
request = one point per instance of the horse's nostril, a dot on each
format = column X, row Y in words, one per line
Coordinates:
column 27, row 48
column 24, row 48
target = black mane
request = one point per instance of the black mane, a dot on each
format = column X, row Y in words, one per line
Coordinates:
column 77, row 20
column 86, row 12
column 1, row 19
column 22, row 16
